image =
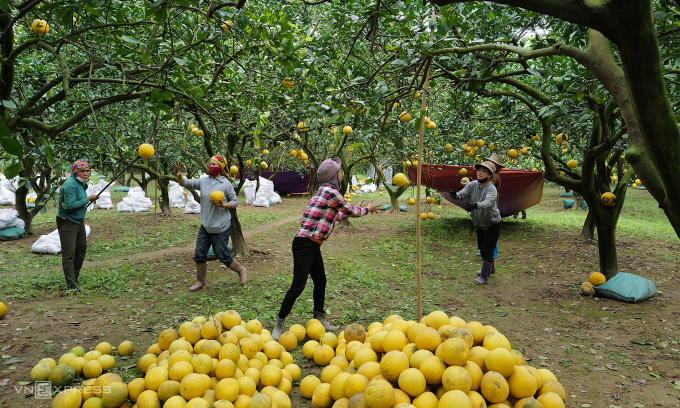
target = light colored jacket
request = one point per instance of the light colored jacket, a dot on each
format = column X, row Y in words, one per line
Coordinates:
column 487, row 212
column 214, row 219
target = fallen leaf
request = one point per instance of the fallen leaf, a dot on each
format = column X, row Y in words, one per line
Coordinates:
column 611, row 367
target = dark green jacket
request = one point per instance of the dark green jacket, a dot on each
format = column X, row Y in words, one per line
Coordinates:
column 72, row 200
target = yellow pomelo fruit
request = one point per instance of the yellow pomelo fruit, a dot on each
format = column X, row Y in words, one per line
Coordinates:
column 546, row 375
column 464, row 334
column 394, row 340
column 355, row 332
column 249, row 347
column 478, row 332
column 225, row 369
column 392, row 364
column 192, row 386
column 41, row 371
column 478, row 356
column 455, row 399
column 254, row 326
column 340, row 361
column 106, row 361
column 230, row 319
column 400, row 398
column 271, row 375
column 355, row 384
column 145, row 361
column 104, row 348
column 400, row 180
column 436, row 319
column 597, row 279
column 433, row 369
column 49, row 362
column 364, row 355
column 418, row 357
column 155, row 377
column 299, row 331
column 92, row 369
column 148, row 399
column 501, row 361
column 329, row 339
column 476, row 374
column 202, row 364
column 476, row 399
column 211, row 329
column 337, row 386
column 494, row 340
column 608, row 199
column 314, row 331
column 379, row 394
column 321, row 398
column 552, row 386
column 146, row 151
column 115, row 395
column 230, row 351
column 309, row 348
column 227, row 389
column 428, row 339
column 93, row 402
column 285, row 386
column 494, row 387
column 294, row 371
column 550, row 400
column 126, row 348
column 457, row 378
column 329, row 373
column 281, row 399
column 347, row 130
column 260, row 401
column 87, row 389
column 135, row 388
column 376, row 341
column 519, row 357
column 409, row 350
column 242, row 401
column 79, row 351
column 272, row 349
column 92, row 355
column 426, row 400
column 68, row 357
column 455, row 352
column 587, row 289
column 69, row 398
column 522, row 383
column 529, row 402
column 412, row 381
column 572, row 164
column 351, row 349
column 179, row 370
column 413, row 331
column 177, row 356
column 176, row 401
column 210, row 348
column 166, row 338
column 308, row 385
column 105, row 380
column 369, row 370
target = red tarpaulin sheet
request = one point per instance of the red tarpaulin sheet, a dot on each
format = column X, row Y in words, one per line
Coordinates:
column 287, row 182
column 520, row 189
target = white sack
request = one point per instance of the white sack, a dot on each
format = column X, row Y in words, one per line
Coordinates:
column 265, row 191
column 9, row 218
column 7, row 197
column 136, row 201
column 50, row 244
column 176, row 194
column 368, row 188
column 192, row 206
column 249, row 191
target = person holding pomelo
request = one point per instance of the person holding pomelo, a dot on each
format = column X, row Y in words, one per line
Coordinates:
column 215, row 218
column 72, row 207
column 485, row 215
column 326, row 206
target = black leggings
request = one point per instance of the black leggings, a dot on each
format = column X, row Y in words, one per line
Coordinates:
column 307, row 261
column 487, row 240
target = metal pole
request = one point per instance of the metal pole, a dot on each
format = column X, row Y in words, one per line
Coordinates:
column 423, row 107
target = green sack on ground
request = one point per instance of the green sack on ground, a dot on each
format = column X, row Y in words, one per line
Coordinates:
column 122, row 188
column 568, row 204
column 9, row 234
column 627, row 287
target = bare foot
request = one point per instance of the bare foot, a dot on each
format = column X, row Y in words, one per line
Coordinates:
column 243, row 276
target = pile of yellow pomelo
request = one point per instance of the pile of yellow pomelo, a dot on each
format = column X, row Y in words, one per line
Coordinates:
column 439, row 362
column 595, row 279
column 219, row 362
column 223, row 361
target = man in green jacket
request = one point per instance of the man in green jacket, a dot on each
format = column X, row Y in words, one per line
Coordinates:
column 73, row 201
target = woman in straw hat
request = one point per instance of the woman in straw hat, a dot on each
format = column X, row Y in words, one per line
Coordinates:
column 215, row 219
column 485, row 215
column 326, row 206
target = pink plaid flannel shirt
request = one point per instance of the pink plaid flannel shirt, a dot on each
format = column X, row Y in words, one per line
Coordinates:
column 326, row 206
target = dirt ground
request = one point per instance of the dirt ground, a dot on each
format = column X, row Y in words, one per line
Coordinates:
column 606, row 353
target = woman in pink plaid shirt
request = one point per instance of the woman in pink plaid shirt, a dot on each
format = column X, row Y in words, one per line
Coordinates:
column 327, row 206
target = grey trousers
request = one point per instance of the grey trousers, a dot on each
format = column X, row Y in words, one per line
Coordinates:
column 73, row 249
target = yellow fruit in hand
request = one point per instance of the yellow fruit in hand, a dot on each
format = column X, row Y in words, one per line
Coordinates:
column 217, row 195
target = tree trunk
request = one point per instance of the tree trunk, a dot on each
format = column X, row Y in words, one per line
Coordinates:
column 164, row 199
column 394, row 201
column 20, row 206
column 606, row 220
column 343, row 223
column 238, row 242
column 588, row 231
column 129, row 180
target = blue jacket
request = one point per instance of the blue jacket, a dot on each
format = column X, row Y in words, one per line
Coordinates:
column 72, row 200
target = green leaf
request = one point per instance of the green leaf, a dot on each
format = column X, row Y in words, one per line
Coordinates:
column 355, row 145
column 129, row 39
column 13, row 170
column 180, row 61
column 242, row 20
column 11, row 146
column 660, row 15
column 161, row 15
column 9, row 104
column 49, row 154
column 157, row 4
column 534, row 72
column 24, row 382
column 4, row 131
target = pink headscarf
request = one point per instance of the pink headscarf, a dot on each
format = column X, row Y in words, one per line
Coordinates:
column 80, row 165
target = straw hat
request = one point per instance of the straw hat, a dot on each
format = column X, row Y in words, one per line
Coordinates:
column 495, row 159
column 489, row 165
